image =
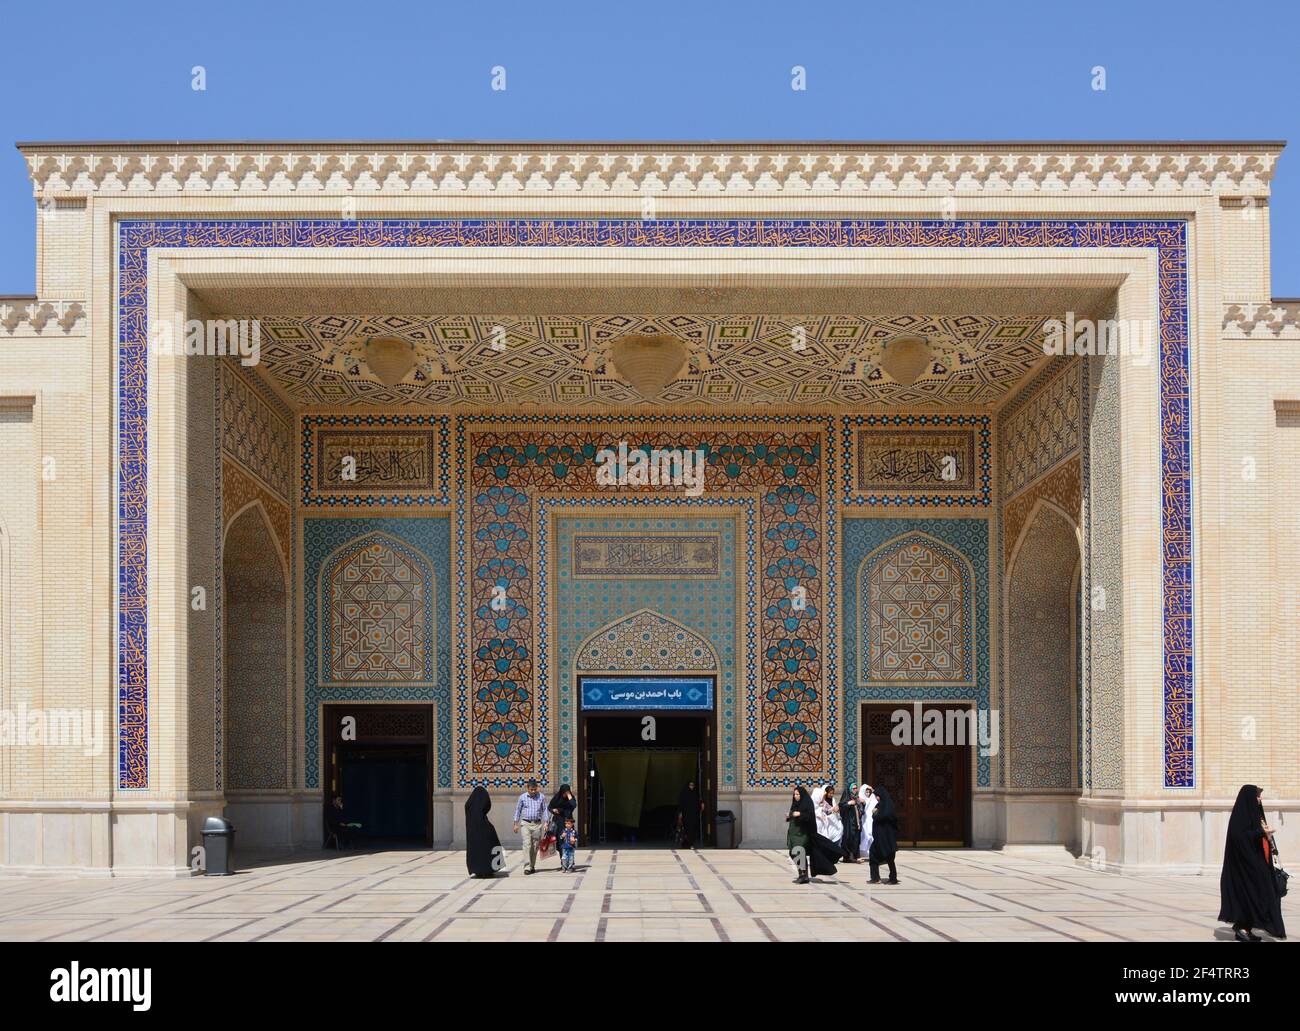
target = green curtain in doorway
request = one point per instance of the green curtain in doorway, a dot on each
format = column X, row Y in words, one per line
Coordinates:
column 623, row 776
column 668, row 774
column 636, row 781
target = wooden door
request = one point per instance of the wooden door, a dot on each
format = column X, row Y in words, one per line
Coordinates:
column 929, row 783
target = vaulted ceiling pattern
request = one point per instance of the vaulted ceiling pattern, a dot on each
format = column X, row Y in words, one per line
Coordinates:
column 484, row 361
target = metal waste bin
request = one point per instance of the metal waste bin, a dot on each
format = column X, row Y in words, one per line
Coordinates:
column 218, row 846
column 726, row 827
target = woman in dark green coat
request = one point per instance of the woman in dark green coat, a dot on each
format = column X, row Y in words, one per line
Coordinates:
column 798, row 835
column 810, row 853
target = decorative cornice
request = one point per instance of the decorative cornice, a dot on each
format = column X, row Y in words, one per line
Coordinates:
column 29, row 317
column 675, row 169
column 1273, row 320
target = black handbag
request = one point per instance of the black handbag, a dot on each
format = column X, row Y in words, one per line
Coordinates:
column 1280, row 876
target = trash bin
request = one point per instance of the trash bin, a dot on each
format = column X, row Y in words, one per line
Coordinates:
column 726, row 827
column 218, row 846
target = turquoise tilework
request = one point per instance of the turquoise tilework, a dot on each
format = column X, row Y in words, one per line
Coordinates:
column 431, row 537
column 581, row 607
column 860, row 538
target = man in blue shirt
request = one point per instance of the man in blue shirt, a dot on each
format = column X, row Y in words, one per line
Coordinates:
column 530, row 814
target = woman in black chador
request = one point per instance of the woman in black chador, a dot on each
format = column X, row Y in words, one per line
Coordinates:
column 689, row 810
column 809, row 851
column 482, row 846
column 562, row 808
column 884, row 841
column 1247, row 888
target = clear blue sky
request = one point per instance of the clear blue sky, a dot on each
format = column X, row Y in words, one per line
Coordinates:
column 695, row 70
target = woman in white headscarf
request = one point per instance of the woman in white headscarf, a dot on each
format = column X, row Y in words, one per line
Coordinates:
column 829, row 824
column 869, row 801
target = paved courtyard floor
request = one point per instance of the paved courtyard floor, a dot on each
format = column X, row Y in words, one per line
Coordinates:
column 621, row 895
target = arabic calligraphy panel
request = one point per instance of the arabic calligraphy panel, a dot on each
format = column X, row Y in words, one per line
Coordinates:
column 375, row 461
column 636, row 556
column 912, row 460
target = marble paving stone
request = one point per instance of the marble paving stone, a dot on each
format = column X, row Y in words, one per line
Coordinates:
column 250, row 902
column 672, row 902
column 115, row 904
column 165, row 929
column 621, row 895
column 385, row 902
column 325, row 929
column 37, row 929
column 908, row 901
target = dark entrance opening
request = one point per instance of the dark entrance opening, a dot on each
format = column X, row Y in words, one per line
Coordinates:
column 928, row 779
column 633, row 782
column 380, row 759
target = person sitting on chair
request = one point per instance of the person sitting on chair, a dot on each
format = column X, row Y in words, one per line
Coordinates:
column 337, row 824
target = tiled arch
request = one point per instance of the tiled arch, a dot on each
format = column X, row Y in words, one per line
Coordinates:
column 643, row 642
column 393, row 592
column 137, row 237
column 941, row 592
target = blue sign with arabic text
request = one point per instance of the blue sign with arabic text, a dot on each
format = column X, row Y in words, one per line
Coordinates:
column 647, row 693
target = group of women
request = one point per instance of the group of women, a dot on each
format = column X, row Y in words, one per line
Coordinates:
column 822, row 831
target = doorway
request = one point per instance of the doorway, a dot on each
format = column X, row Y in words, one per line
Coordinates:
column 635, row 773
column 929, row 777
column 379, row 758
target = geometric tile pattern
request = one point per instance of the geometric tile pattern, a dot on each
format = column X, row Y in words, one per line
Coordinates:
column 253, row 433
column 1063, row 486
column 562, row 361
column 239, row 488
column 718, row 613
column 963, row 546
column 917, row 607
column 137, row 238
column 1042, row 427
column 508, row 463
column 256, row 464
column 645, row 642
column 423, row 541
column 917, row 433
column 377, row 602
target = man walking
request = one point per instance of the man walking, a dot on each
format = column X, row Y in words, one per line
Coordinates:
column 530, row 813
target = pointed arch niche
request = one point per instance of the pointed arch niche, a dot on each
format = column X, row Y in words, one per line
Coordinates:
column 377, row 613
column 645, row 642
column 255, row 582
column 916, row 614
column 1042, row 645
